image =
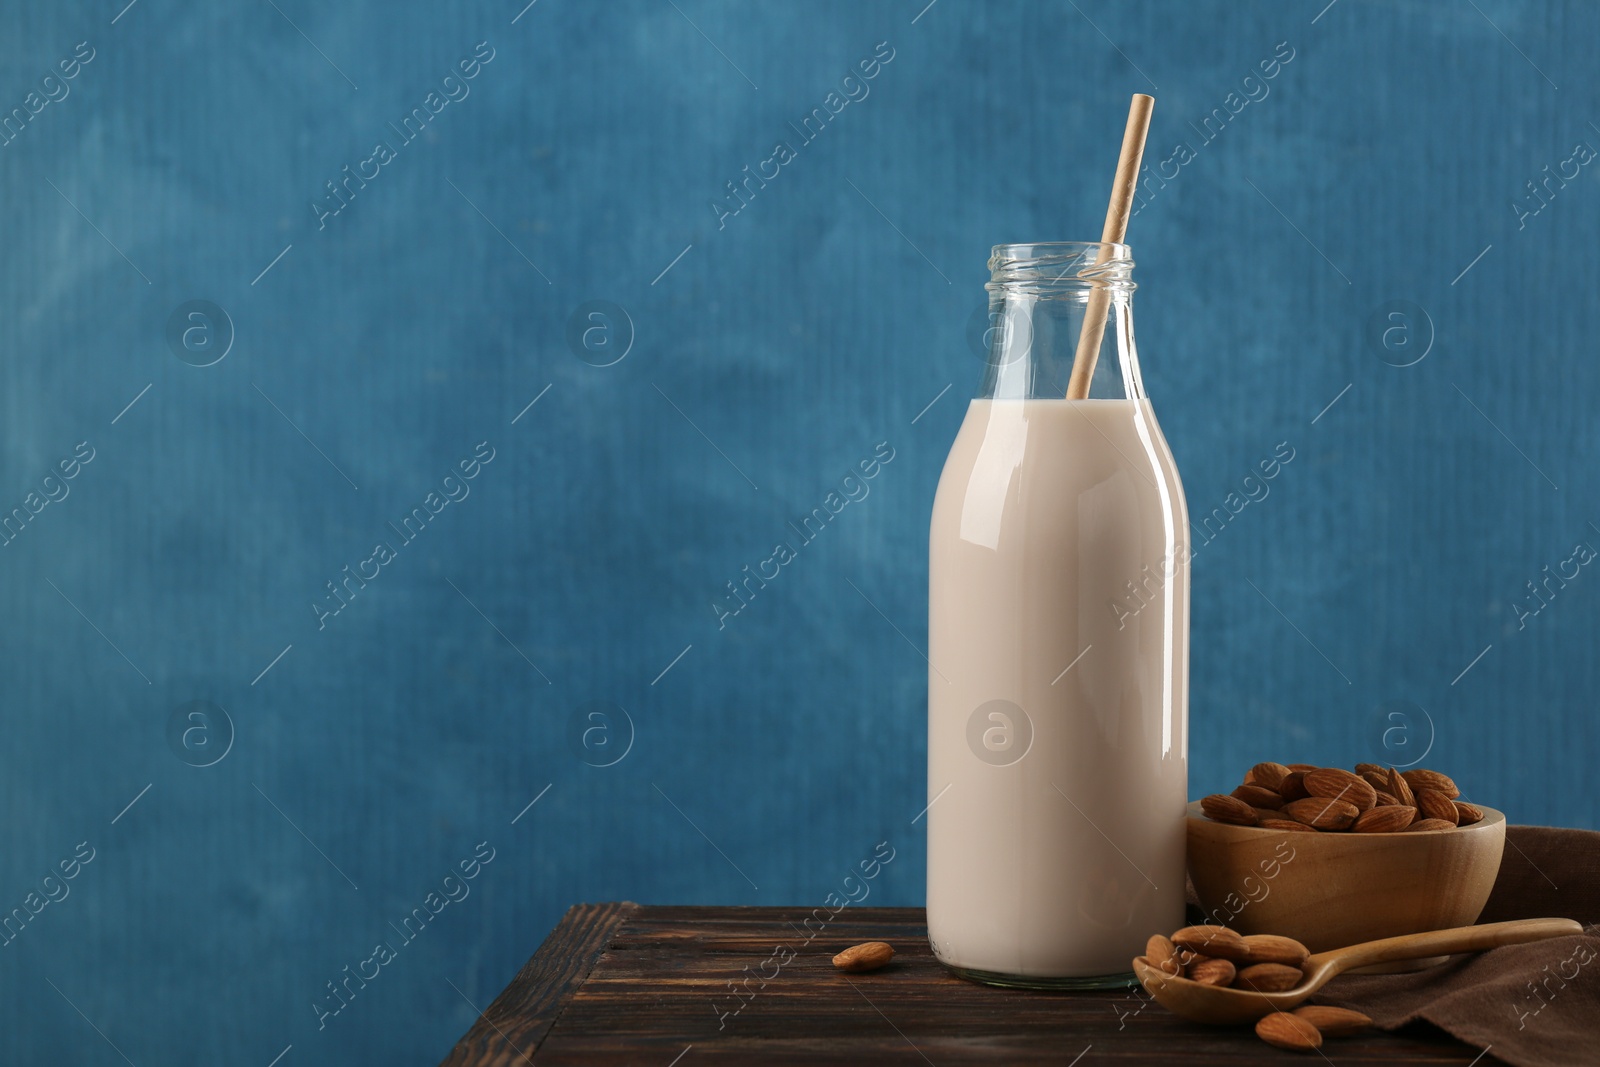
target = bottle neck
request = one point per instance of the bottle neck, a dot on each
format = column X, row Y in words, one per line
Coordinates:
column 1051, row 306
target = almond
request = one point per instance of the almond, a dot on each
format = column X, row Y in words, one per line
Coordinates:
column 1162, row 954
column 1293, row 786
column 868, row 956
column 1272, row 948
column 1385, row 819
column 1268, row 977
column 1221, row 808
column 1267, row 775
column 1208, row 940
column 1333, row 1022
column 1322, row 813
column 1338, row 784
column 1401, row 788
column 1301, row 797
column 1288, row 1031
column 1259, row 796
column 1209, row 971
column 1435, row 805
column 1421, row 779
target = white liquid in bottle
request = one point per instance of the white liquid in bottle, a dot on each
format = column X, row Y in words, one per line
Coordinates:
column 1058, row 691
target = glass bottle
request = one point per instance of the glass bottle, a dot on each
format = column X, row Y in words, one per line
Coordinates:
column 1058, row 645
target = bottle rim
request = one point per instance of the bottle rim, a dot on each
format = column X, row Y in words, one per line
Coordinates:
column 1062, row 266
column 1026, row 250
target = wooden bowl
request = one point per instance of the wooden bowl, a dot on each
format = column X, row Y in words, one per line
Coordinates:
column 1328, row 890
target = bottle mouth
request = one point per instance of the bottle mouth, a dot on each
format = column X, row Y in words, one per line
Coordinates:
column 1061, row 267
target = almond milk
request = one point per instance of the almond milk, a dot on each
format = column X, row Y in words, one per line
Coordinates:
column 1057, row 716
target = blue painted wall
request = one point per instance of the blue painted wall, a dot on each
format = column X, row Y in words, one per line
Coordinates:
column 557, row 609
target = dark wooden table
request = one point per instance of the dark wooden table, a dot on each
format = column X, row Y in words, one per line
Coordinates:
column 686, row 986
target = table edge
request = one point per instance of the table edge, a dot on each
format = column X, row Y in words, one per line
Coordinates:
column 513, row 1026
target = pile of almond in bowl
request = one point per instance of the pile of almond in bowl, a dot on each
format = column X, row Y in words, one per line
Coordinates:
column 1263, row 963
column 1301, row 797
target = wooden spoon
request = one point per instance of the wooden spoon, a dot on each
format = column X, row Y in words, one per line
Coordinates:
column 1217, row 1004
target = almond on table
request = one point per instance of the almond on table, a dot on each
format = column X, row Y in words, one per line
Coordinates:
column 868, row 956
column 1292, row 1032
column 1333, row 1022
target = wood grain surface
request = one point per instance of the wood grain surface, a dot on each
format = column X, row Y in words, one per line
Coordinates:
column 622, row 984
column 514, row 1025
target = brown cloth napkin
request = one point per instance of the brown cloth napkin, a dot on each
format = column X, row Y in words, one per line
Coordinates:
column 1535, row 1005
